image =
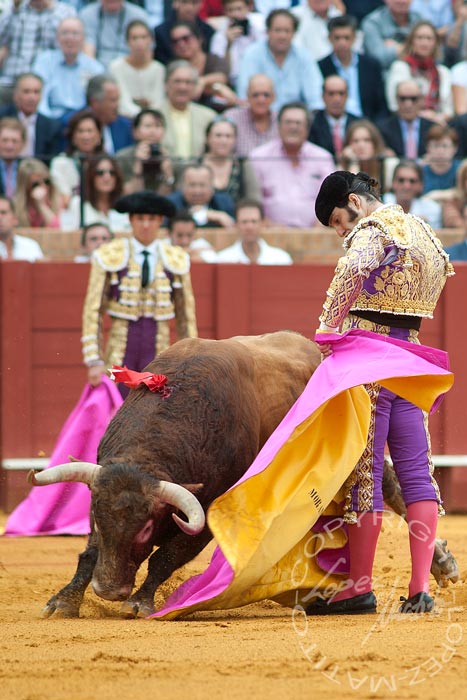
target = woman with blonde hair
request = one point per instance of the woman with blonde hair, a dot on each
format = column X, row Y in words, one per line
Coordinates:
column 38, row 202
column 419, row 62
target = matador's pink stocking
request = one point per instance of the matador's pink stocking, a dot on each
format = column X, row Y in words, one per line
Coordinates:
column 422, row 518
column 363, row 537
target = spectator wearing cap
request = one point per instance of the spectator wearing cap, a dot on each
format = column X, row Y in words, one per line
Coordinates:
column 141, row 283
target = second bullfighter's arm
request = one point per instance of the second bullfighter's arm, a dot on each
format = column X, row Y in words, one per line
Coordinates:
column 184, row 305
column 93, row 309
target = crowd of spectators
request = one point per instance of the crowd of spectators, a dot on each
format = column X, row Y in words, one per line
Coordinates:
column 211, row 102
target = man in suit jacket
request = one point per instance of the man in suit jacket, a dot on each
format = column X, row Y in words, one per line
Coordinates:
column 405, row 131
column 43, row 135
column 330, row 124
column 103, row 97
column 185, row 135
column 362, row 73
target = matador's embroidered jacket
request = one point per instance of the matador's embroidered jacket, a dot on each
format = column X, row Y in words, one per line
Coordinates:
column 115, row 288
column 394, row 264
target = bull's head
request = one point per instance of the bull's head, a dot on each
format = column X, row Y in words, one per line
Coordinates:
column 167, row 492
column 127, row 512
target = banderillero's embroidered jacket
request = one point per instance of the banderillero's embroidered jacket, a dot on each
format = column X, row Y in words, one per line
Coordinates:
column 115, row 288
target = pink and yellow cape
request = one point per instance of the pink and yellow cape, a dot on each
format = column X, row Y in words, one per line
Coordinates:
column 272, row 535
column 63, row 509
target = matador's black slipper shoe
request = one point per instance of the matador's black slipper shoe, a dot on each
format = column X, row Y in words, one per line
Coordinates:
column 358, row 605
column 418, row 603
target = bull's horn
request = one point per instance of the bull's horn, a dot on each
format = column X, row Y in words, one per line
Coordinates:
column 76, row 471
column 181, row 498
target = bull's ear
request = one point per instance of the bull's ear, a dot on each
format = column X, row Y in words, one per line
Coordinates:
column 193, row 488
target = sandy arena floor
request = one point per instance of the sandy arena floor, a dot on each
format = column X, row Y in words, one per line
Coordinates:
column 260, row 651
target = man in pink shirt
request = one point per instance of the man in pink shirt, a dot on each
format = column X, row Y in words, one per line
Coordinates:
column 290, row 170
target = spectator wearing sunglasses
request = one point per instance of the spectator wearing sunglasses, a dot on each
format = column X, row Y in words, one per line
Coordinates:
column 405, row 132
column 256, row 122
column 103, row 185
column 182, row 11
column 406, row 190
column 212, row 89
column 37, row 200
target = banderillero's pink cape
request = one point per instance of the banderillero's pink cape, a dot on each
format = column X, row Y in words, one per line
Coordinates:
column 273, row 537
column 63, row 509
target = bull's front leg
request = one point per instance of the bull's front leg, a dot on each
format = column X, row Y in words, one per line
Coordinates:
column 67, row 602
column 168, row 558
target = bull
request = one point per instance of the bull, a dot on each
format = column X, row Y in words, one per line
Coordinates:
column 164, row 459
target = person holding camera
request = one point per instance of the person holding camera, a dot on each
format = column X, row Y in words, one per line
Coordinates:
column 146, row 165
column 236, row 31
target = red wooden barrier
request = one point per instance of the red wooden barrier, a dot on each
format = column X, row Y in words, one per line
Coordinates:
column 41, row 375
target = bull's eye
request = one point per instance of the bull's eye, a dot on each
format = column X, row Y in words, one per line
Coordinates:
column 145, row 533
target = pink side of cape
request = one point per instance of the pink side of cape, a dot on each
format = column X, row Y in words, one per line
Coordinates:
column 359, row 357
column 63, row 509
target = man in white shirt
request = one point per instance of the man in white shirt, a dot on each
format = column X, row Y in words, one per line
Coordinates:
column 312, row 33
column 250, row 247
column 13, row 246
column 183, row 232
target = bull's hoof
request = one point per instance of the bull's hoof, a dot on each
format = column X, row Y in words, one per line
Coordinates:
column 133, row 608
column 59, row 609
